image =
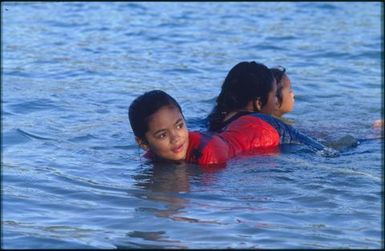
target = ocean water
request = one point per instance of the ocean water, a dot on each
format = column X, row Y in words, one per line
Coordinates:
column 73, row 177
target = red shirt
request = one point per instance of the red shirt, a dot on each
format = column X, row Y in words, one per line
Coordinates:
column 244, row 135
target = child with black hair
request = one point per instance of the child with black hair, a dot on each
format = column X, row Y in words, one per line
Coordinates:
column 248, row 87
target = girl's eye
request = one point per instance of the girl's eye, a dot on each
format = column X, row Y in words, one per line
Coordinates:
column 180, row 125
column 161, row 135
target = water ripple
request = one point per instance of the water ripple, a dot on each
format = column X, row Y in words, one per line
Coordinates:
column 27, row 107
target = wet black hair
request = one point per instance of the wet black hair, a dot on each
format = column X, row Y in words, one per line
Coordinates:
column 144, row 106
column 245, row 82
column 278, row 73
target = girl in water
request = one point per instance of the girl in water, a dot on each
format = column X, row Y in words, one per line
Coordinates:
column 248, row 92
column 285, row 104
column 248, row 87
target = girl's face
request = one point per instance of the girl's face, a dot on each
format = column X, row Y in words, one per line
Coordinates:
column 287, row 93
column 167, row 135
column 271, row 104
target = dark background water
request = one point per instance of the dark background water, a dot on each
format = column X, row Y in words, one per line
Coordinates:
column 73, row 177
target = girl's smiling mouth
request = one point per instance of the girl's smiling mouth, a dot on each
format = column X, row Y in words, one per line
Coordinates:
column 178, row 149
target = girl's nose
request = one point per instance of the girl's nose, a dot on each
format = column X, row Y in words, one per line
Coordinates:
column 174, row 136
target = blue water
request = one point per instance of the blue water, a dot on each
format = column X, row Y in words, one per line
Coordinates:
column 73, row 177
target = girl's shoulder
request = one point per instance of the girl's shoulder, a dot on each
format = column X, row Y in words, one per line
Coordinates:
column 206, row 148
column 285, row 120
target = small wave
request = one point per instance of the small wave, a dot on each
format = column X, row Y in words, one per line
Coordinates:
column 30, row 135
column 368, row 55
column 36, row 239
column 60, row 24
column 129, row 147
column 348, row 171
column 33, row 106
column 18, row 73
column 19, row 136
column 264, row 47
column 82, row 138
column 282, row 38
column 321, row 6
column 5, row 113
column 177, row 71
column 13, row 138
column 134, row 6
column 331, row 55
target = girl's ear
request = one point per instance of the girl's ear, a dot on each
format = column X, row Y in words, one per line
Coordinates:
column 258, row 104
column 142, row 143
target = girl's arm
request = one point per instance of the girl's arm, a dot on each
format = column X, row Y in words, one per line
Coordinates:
column 290, row 135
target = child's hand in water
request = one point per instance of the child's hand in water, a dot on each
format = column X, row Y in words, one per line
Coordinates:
column 379, row 123
column 343, row 143
column 329, row 152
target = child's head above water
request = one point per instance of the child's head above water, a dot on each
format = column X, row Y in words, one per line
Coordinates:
column 285, row 94
column 158, row 125
column 247, row 86
column 245, row 82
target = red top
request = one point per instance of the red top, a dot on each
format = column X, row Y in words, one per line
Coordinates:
column 244, row 135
